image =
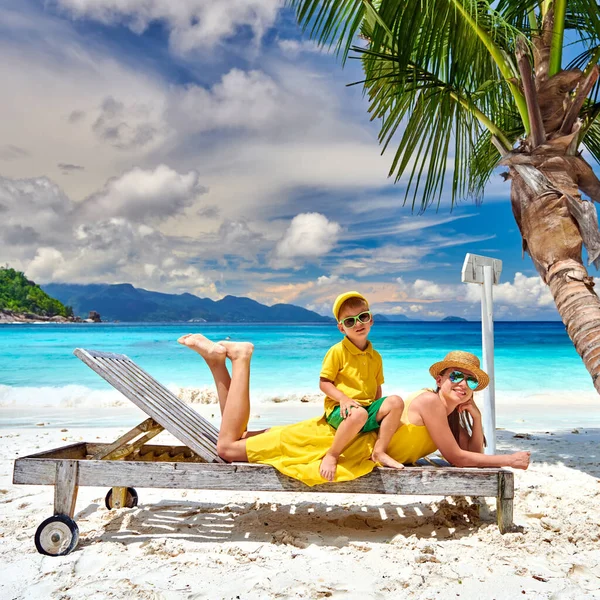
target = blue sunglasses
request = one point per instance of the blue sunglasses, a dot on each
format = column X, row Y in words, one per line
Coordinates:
column 458, row 376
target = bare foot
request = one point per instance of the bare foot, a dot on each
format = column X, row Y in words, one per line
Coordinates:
column 208, row 350
column 328, row 467
column 386, row 460
column 238, row 350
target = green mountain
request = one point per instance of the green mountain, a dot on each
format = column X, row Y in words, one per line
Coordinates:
column 20, row 295
column 123, row 302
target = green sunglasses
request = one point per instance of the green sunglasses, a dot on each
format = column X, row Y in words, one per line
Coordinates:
column 458, row 376
column 350, row 322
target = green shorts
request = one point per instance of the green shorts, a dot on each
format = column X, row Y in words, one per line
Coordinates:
column 335, row 418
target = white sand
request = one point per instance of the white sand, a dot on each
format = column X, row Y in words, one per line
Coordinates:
column 190, row 544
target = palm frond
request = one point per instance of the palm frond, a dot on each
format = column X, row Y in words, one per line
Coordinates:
column 439, row 124
column 591, row 139
column 582, row 17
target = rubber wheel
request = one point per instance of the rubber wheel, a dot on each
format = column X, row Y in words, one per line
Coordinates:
column 131, row 500
column 57, row 536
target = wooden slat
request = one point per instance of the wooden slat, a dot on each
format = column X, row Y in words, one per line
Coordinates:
column 65, row 491
column 77, row 450
column 126, row 437
column 168, row 410
column 160, row 397
column 504, row 501
column 426, row 481
column 155, row 400
column 138, row 378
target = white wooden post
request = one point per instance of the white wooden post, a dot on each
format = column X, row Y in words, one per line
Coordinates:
column 486, row 272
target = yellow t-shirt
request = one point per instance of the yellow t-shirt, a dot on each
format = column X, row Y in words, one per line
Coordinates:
column 355, row 372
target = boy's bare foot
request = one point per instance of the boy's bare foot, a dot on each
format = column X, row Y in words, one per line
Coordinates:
column 328, row 467
column 208, row 350
column 386, row 460
column 238, row 350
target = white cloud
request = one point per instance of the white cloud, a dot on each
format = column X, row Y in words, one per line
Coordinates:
column 241, row 99
column 141, row 195
column 309, row 235
column 192, row 24
column 295, row 47
column 57, row 240
column 386, row 259
column 523, row 293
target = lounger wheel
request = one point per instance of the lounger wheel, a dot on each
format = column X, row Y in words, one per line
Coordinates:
column 57, row 536
column 131, row 499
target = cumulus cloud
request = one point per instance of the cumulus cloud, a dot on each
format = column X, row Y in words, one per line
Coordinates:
column 241, row 99
column 192, row 24
column 36, row 208
column 523, row 293
column 309, row 236
column 141, row 195
column 52, row 238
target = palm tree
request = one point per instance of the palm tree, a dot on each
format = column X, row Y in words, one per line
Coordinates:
column 467, row 87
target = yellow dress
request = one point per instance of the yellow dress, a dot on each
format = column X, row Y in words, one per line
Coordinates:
column 296, row 450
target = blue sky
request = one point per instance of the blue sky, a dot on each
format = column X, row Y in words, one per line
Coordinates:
column 205, row 147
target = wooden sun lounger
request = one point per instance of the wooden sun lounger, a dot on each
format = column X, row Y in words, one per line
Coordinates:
column 130, row 461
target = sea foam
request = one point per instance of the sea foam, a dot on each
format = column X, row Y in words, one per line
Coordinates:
column 79, row 396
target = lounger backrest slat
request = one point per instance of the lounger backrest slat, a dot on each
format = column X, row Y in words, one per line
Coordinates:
column 140, row 381
column 155, row 400
column 135, row 385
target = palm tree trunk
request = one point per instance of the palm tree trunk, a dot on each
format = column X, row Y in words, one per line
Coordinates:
column 553, row 237
column 579, row 307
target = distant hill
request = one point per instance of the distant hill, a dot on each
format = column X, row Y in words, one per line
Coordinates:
column 454, row 319
column 123, row 302
column 20, row 295
column 391, row 318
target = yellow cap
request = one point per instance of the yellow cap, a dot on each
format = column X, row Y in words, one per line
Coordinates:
column 342, row 298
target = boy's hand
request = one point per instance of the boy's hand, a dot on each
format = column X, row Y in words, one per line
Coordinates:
column 346, row 405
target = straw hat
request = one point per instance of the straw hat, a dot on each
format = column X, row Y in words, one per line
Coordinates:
column 342, row 298
column 461, row 360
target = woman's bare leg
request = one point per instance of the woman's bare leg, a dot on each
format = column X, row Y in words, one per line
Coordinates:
column 237, row 409
column 234, row 392
column 214, row 354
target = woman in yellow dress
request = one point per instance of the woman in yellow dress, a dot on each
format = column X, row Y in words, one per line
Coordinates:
column 431, row 421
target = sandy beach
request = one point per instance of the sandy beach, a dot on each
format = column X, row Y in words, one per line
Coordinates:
column 189, row 544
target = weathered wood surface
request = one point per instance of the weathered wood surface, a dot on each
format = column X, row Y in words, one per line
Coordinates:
column 78, row 450
column 504, row 501
column 126, row 450
column 146, row 425
column 155, row 400
column 65, row 490
column 251, row 477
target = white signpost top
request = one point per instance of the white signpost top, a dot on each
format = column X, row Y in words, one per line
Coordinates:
column 472, row 270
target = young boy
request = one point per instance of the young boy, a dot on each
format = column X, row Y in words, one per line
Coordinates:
column 351, row 378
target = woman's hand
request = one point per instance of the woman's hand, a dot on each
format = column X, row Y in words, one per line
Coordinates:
column 520, row 460
column 471, row 408
column 346, row 405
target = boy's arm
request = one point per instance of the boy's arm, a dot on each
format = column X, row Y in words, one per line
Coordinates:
column 336, row 395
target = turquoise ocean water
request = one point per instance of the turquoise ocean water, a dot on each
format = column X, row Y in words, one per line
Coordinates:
column 38, row 368
column 530, row 357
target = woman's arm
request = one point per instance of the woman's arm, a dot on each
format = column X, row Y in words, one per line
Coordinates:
column 433, row 414
column 475, row 441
